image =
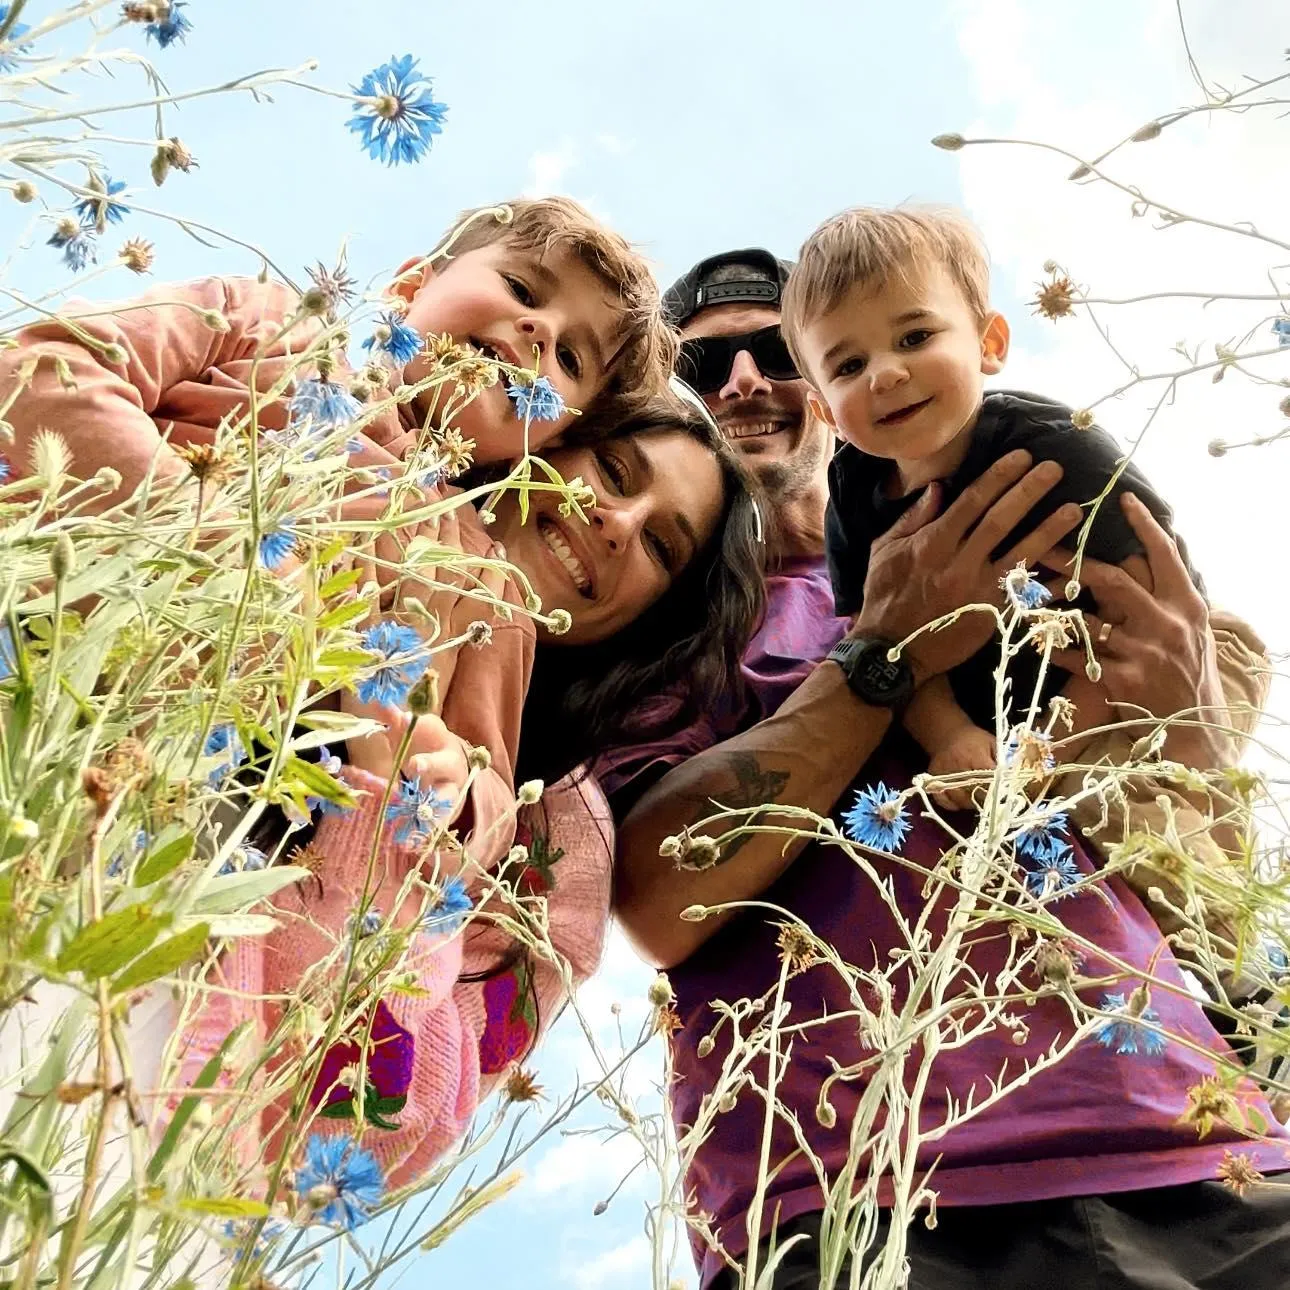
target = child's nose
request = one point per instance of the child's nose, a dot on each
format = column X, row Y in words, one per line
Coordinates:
column 886, row 374
column 536, row 331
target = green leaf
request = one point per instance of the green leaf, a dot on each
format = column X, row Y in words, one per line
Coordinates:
column 317, row 783
column 340, row 659
column 100, row 948
column 224, row 1206
column 234, row 925
column 1257, row 1121
column 236, row 892
column 328, row 553
column 206, row 1077
column 343, row 614
column 157, row 864
column 346, row 728
column 163, row 959
column 339, row 582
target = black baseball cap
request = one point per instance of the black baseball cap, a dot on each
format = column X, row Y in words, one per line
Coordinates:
column 764, row 284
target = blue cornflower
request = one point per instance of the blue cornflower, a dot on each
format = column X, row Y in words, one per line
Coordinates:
column 95, row 212
column 390, row 684
column 1125, row 1034
column 11, row 46
column 1041, row 840
column 1281, row 329
column 449, row 909
column 878, row 819
column 8, row 654
column 274, row 1230
column 1052, row 872
column 415, row 810
column 244, row 858
column 1024, row 591
column 173, row 27
column 5, row 468
column 341, row 1179
column 399, row 117
column 536, row 401
column 402, row 343
column 277, row 543
column 368, row 925
column 76, row 241
column 224, row 743
column 324, row 404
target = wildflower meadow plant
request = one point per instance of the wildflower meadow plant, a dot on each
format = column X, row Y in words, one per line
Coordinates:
column 172, row 666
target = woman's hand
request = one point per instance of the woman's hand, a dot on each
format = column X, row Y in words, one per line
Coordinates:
column 926, row 566
column 435, row 757
column 1154, row 641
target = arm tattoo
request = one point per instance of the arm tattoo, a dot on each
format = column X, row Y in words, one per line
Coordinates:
column 753, row 786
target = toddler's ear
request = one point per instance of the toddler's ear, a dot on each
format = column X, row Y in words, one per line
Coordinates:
column 819, row 409
column 413, row 274
column 994, row 344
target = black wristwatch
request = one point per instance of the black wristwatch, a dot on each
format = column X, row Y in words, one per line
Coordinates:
column 872, row 676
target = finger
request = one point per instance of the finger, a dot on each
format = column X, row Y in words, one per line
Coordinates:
column 922, row 512
column 1168, row 572
column 1009, row 510
column 493, row 577
column 985, row 490
column 1032, row 548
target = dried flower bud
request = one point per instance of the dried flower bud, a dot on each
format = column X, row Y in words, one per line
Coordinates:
column 727, row 1103
column 215, row 321
column 486, row 518
column 694, row 913
column 1082, row 419
column 360, row 390
column 1050, row 266
column 529, row 793
column 423, row 698
column 1139, row 1000
column 1072, row 588
column 948, row 142
column 108, row 478
column 825, row 1114
column 316, row 301
column 660, row 991
column 1055, row 299
column 697, row 852
column 376, row 376
column 1217, row 448
column 522, row 1086
column 479, row 633
column 1284, row 406
column 1093, row 670
column 706, row 1045
column 115, row 354
column 559, row 621
column 62, row 557
column 1146, row 132
column 1080, row 172
column 479, row 758
column 24, row 191
column 600, row 1207
column 137, row 255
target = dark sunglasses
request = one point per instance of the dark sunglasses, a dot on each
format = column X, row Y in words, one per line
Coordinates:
column 705, row 362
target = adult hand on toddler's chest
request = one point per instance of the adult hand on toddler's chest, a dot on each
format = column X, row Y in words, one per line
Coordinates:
column 971, row 748
column 927, row 566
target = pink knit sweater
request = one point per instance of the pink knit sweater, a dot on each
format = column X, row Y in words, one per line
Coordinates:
column 447, row 1044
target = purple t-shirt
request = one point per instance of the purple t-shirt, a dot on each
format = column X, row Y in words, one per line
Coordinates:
column 1100, row 1121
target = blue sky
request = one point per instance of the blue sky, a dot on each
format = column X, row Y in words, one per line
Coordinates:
column 699, row 125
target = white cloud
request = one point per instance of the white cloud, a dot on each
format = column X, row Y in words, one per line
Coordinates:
column 612, row 144
column 625, row 1265
column 588, row 1164
column 548, row 169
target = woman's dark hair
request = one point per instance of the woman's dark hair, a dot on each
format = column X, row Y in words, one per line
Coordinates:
column 687, row 646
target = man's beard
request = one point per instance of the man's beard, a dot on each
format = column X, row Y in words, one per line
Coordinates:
column 787, row 478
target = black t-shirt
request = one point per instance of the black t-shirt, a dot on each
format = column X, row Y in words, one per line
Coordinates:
column 859, row 511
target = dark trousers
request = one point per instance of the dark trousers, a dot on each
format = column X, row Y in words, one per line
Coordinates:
column 1198, row 1236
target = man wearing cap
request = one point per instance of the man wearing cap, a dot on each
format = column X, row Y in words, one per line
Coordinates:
column 1083, row 1176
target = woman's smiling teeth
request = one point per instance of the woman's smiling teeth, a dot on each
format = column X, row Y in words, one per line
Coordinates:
column 563, row 552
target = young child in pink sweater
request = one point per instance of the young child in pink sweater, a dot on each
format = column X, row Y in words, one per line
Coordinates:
column 136, row 387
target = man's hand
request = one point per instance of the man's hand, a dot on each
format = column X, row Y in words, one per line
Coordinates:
column 1155, row 646
column 923, row 567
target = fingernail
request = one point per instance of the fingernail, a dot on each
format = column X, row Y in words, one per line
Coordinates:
column 1049, row 470
column 499, row 551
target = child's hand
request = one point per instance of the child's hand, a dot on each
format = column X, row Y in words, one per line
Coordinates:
column 970, row 748
column 435, row 757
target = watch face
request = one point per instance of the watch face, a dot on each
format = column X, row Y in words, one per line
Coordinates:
column 877, row 673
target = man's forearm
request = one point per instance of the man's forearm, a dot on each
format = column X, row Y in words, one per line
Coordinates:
column 803, row 756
